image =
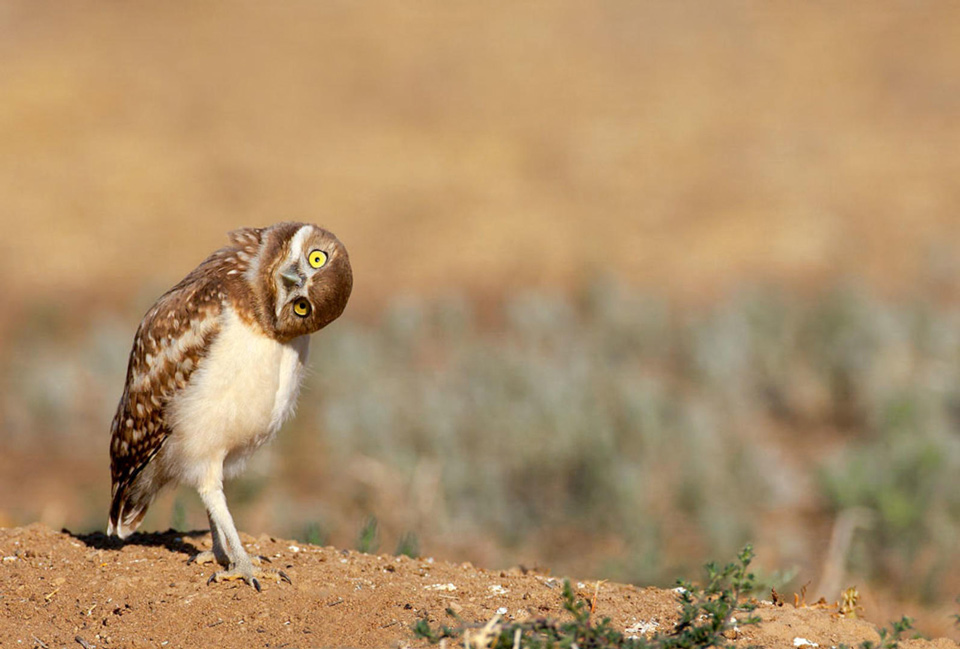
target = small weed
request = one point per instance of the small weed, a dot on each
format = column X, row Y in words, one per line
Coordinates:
column 707, row 616
column 314, row 534
column 408, row 545
column 707, row 613
column 368, row 540
column 849, row 605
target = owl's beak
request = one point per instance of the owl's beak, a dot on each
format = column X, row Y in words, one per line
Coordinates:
column 291, row 277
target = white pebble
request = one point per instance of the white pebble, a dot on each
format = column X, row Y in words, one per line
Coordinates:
column 641, row 628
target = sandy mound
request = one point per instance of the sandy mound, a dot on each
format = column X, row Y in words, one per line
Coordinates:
column 60, row 590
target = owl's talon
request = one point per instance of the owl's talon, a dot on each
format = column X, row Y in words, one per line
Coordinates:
column 284, row 577
column 256, row 584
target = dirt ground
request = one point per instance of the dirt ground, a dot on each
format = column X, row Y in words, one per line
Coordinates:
column 61, row 590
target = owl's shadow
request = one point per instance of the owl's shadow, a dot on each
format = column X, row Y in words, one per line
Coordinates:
column 172, row 540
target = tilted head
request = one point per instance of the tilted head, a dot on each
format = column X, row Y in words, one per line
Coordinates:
column 303, row 278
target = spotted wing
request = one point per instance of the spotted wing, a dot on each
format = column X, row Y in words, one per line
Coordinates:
column 173, row 338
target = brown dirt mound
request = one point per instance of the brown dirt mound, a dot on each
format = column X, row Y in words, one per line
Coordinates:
column 61, row 590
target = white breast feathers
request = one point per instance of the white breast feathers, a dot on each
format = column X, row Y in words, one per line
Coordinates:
column 237, row 399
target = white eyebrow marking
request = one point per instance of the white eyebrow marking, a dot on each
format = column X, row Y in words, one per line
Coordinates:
column 296, row 244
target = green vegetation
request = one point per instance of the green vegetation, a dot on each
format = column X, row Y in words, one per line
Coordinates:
column 313, row 533
column 612, row 411
column 408, row 545
column 706, row 616
column 606, row 418
column 368, row 539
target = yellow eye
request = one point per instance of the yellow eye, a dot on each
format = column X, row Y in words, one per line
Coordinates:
column 301, row 307
column 317, row 258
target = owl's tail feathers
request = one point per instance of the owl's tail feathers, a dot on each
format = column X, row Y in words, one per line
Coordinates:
column 125, row 514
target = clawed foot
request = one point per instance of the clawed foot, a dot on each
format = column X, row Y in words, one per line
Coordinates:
column 250, row 573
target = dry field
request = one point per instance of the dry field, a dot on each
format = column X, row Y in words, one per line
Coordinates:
column 596, row 324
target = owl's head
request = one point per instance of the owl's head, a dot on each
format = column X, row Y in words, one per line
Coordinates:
column 304, row 277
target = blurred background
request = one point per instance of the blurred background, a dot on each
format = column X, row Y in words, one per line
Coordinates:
column 636, row 282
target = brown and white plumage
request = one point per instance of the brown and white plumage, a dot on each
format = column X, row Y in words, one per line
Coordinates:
column 215, row 369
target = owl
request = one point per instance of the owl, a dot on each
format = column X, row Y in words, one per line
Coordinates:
column 215, row 370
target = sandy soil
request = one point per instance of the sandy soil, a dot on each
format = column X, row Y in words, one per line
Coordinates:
column 61, row 590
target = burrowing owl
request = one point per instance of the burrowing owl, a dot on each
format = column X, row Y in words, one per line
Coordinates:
column 215, row 370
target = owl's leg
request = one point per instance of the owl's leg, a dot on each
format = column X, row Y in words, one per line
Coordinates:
column 226, row 533
column 218, row 554
column 240, row 566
